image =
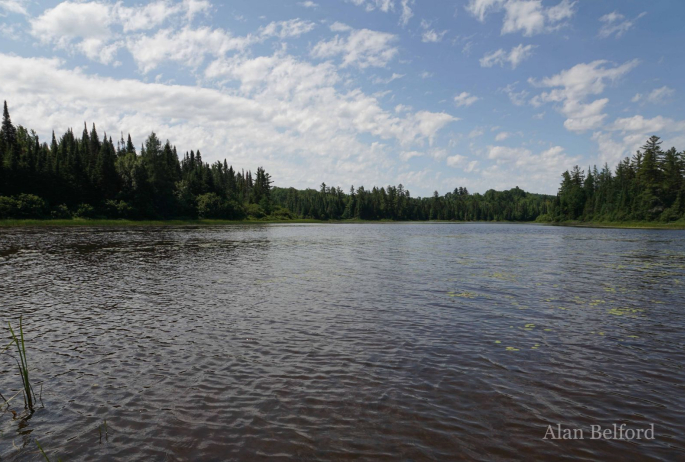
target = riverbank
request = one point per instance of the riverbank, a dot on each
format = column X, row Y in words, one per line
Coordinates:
column 83, row 222
column 621, row 224
column 116, row 223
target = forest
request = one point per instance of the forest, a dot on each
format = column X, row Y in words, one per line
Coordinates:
column 94, row 177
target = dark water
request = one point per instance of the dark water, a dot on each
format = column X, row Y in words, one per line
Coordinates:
column 335, row 342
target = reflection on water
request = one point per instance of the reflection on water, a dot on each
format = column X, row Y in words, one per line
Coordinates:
column 394, row 341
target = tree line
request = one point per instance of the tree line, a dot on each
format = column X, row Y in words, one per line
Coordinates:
column 649, row 186
column 94, row 177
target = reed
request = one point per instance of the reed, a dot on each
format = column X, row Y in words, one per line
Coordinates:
column 44, row 454
column 22, row 364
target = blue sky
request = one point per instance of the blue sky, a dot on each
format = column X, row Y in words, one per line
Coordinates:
column 431, row 94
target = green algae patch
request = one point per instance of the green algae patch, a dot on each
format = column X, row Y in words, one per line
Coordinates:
column 462, row 294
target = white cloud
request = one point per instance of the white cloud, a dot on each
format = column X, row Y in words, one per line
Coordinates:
column 632, row 133
column 501, row 136
column 654, row 125
column 426, row 75
column 465, row 99
column 531, row 171
column 455, row 161
column 361, row 48
column 406, row 155
column 286, row 115
column 573, row 86
column 516, row 56
column 187, row 46
column 370, row 5
column 518, row 98
column 87, row 27
column 430, row 35
column 340, row 27
column 527, row 16
column 14, row 6
column 616, row 24
column 308, row 4
column 657, row 96
column 287, row 29
column 394, row 76
column 407, row 13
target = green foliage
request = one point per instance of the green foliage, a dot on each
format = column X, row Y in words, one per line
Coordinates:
column 396, row 203
column 60, row 212
column 255, row 211
column 96, row 178
column 212, row 206
column 22, row 206
column 85, row 211
column 650, row 186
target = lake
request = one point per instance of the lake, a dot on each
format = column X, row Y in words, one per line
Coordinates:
column 344, row 341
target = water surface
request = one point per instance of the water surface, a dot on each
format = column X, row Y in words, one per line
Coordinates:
column 335, row 342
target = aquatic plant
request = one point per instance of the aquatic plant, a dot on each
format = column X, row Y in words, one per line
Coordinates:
column 44, row 454
column 22, row 364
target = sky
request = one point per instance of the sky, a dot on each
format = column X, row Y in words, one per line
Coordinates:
column 484, row 94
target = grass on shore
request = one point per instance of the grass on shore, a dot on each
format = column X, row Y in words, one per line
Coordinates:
column 115, row 223
column 8, row 223
column 622, row 224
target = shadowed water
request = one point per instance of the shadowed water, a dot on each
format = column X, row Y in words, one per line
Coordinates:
column 334, row 342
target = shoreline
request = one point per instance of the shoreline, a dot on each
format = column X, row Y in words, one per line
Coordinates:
column 619, row 225
column 77, row 222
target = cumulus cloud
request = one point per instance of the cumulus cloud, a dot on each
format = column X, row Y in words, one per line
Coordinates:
column 625, row 135
column 287, row 115
column 88, row 27
column 459, row 161
column 616, row 24
column 99, row 29
column 465, row 99
column 361, row 48
column 529, row 17
column 187, row 46
column 516, row 56
column 308, row 4
column 14, row 6
column 370, row 5
column 572, row 87
column 532, row 171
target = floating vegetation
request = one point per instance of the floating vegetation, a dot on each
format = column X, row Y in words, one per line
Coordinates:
column 462, row 294
column 628, row 312
column 535, row 347
column 529, row 326
column 497, row 341
column 512, row 349
column 501, row 276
